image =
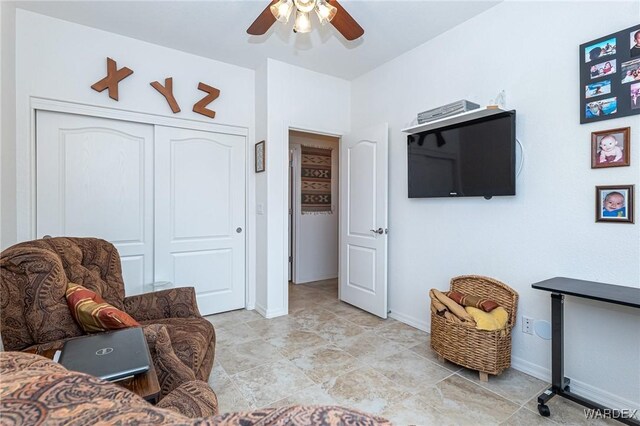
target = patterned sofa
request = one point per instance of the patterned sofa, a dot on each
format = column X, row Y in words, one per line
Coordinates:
column 35, row 390
column 34, row 315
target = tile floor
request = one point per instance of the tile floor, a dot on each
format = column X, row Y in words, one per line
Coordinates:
column 328, row 352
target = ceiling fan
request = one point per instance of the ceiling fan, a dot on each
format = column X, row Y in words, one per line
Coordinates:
column 327, row 11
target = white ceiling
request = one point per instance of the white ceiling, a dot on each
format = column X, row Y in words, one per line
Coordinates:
column 217, row 29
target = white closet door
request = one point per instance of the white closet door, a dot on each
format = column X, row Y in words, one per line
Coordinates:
column 200, row 215
column 95, row 179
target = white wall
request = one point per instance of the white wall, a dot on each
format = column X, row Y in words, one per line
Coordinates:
column 7, row 125
column 316, row 257
column 303, row 100
column 59, row 60
column 529, row 49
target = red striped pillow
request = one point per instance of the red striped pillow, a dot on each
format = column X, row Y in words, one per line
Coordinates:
column 93, row 313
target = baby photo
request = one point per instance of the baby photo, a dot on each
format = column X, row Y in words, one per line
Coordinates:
column 598, row 50
column 610, row 148
column 614, row 203
column 597, row 89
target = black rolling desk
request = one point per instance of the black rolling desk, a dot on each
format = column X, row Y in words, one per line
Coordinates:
column 559, row 287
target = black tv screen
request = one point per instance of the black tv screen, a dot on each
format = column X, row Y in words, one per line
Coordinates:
column 471, row 159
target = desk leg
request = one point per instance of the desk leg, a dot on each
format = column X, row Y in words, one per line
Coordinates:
column 559, row 383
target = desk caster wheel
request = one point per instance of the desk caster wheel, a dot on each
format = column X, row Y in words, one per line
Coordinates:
column 567, row 388
column 544, row 410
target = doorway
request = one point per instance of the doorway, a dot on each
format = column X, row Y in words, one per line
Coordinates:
column 313, row 209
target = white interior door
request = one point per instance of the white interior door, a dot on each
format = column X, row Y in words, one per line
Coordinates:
column 363, row 219
column 200, row 215
column 94, row 178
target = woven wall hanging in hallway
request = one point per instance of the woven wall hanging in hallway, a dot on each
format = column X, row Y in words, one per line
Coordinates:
column 316, row 180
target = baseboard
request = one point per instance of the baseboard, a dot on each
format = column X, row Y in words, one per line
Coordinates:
column 413, row 322
column 261, row 310
column 270, row 313
column 580, row 388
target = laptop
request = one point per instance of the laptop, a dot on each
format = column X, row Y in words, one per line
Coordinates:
column 112, row 356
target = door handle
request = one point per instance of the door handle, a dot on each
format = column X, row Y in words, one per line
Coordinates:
column 238, row 230
column 378, row 231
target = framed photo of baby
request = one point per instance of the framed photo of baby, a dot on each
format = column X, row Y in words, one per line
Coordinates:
column 610, row 148
column 614, row 203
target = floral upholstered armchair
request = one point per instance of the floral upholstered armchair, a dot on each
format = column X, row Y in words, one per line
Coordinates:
column 34, row 315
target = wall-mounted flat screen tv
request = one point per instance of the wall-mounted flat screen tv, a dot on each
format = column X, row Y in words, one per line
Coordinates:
column 470, row 159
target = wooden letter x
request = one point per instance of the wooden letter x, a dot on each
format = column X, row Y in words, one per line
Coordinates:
column 114, row 76
column 201, row 106
column 167, row 92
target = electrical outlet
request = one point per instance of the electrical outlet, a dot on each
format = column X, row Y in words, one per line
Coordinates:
column 527, row 325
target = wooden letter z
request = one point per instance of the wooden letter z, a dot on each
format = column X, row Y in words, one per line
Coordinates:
column 114, row 76
column 167, row 92
column 201, row 106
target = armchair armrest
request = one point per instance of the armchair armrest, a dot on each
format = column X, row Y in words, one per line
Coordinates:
column 192, row 399
column 171, row 303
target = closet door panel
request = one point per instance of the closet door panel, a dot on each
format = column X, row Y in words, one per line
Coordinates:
column 200, row 215
column 95, row 179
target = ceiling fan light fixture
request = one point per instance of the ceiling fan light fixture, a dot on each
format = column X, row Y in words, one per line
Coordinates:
column 282, row 10
column 325, row 11
column 305, row 6
column 303, row 22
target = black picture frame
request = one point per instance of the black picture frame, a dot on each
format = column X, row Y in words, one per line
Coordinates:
column 603, row 61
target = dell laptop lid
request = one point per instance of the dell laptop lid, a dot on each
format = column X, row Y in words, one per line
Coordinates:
column 112, row 356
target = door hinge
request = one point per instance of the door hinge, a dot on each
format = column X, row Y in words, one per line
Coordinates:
column 290, row 258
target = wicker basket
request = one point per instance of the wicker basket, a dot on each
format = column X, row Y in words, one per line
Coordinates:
column 485, row 351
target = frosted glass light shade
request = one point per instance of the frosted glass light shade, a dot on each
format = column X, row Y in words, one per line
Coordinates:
column 305, row 6
column 325, row 11
column 282, row 10
column 303, row 23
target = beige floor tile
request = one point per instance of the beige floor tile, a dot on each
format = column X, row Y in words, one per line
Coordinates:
column 567, row 412
column 232, row 318
column 313, row 395
column 511, row 384
column 338, row 330
column 245, row 356
column 325, row 363
column 367, row 320
column 365, row 389
column 410, row 371
column 368, row 347
column 524, row 417
column 269, row 383
column 463, row 401
column 293, row 342
column 340, row 308
column 240, row 333
column 403, row 334
column 415, row 411
column 424, row 350
column 312, row 318
column 274, row 327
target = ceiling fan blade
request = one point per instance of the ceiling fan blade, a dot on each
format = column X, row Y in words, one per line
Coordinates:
column 263, row 22
column 344, row 23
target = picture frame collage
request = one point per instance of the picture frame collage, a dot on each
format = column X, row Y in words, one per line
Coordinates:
column 610, row 88
column 610, row 76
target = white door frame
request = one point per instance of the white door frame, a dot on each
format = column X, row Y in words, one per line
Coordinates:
column 307, row 129
column 26, row 182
